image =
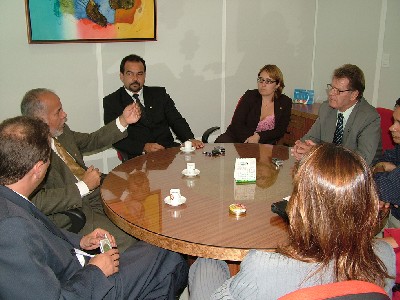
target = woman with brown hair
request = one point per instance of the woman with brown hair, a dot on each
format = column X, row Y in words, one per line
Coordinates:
column 261, row 115
column 332, row 213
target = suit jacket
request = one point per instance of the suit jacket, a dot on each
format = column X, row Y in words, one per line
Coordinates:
column 362, row 132
column 36, row 259
column 247, row 116
column 58, row 191
column 388, row 183
column 161, row 115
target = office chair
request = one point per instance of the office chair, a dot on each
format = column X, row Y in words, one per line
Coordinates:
column 77, row 217
column 122, row 156
column 386, row 121
column 350, row 290
column 211, row 130
column 207, row 133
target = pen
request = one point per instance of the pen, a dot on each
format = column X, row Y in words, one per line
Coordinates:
column 77, row 251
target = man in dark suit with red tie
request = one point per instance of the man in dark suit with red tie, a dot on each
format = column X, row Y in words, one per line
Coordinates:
column 159, row 114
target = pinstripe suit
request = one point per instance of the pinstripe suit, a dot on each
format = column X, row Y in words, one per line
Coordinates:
column 37, row 263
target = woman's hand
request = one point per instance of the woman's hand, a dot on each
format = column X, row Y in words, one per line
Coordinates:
column 254, row 139
column 383, row 167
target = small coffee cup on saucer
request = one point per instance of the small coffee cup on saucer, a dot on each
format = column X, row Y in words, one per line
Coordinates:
column 188, row 146
column 175, row 198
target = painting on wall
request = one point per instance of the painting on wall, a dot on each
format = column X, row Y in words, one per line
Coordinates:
column 61, row 21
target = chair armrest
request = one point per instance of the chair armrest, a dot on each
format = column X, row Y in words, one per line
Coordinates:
column 123, row 156
column 207, row 133
column 77, row 217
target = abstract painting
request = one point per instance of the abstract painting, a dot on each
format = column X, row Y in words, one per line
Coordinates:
column 60, row 21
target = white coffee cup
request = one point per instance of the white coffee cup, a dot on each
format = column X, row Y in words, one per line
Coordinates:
column 188, row 146
column 175, row 195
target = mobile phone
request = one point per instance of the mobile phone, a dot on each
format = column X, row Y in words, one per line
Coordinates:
column 105, row 245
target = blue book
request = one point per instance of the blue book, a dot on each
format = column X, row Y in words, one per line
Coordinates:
column 303, row 96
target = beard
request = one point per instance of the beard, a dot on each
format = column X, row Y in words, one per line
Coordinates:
column 57, row 132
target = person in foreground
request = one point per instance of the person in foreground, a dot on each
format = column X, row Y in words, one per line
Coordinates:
column 346, row 118
column 40, row 261
column 262, row 115
column 159, row 114
column 387, row 173
column 69, row 183
column 332, row 217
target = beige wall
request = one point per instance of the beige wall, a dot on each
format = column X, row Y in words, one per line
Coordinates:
column 207, row 54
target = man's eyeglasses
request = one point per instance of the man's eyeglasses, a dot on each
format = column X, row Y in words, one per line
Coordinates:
column 335, row 91
column 267, row 81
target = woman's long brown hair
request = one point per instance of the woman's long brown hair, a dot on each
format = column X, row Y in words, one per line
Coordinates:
column 333, row 211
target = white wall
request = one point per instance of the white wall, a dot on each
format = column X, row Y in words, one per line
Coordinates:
column 207, row 54
column 389, row 90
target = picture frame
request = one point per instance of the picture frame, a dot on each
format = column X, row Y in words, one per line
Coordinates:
column 90, row 21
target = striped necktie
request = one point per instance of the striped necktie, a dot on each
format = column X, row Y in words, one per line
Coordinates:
column 137, row 100
column 338, row 136
column 75, row 168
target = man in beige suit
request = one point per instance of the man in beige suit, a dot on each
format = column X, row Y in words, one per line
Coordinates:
column 62, row 189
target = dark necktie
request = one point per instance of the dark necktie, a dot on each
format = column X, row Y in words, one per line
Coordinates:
column 142, row 111
column 136, row 99
column 338, row 136
column 75, row 168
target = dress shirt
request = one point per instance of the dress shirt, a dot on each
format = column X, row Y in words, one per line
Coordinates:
column 140, row 95
column 346, row 114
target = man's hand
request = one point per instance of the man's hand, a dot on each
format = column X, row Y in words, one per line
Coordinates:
column 383, row 167
column 152, row 147
column 92, row 240
column 197, row 144
column 300, row 148
column 384, row 205
column 92, row 178
column 108, row 262
column 254, row 139
column 130, row 115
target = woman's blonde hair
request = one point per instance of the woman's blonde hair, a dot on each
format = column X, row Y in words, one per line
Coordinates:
column 333, row 211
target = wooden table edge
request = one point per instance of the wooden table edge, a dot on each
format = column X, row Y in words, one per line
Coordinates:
column 176, row 245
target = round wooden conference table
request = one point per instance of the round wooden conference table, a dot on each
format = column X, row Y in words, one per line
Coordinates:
column 134, row 192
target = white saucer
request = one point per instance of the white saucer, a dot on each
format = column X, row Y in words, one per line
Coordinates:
column 169, row 202
column 187, row 151
column 196, row 172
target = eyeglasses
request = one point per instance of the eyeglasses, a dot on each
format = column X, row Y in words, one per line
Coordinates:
column 335, row 91
column 267, row 81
